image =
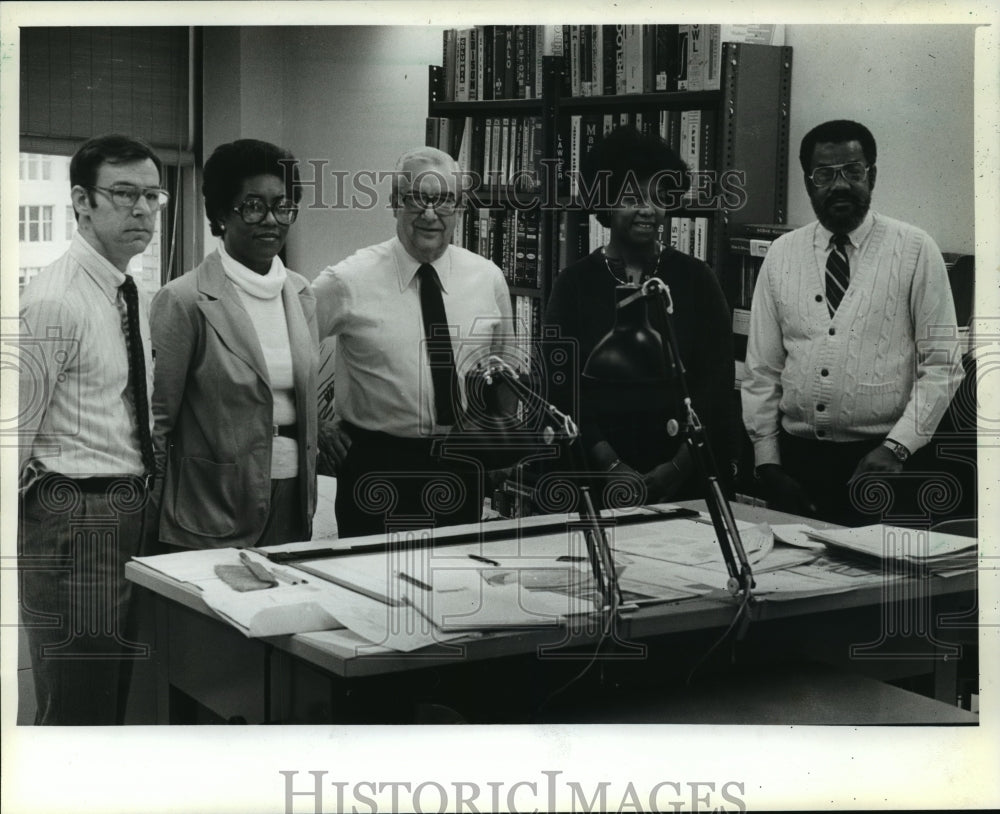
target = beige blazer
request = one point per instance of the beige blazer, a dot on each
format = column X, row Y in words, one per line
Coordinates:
column 212, row 407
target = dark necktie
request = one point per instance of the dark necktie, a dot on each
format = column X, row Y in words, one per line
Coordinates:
column 439, row 351
column 137, row 371
column 838, row 273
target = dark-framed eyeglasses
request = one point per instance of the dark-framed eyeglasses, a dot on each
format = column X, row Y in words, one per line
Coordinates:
column 442, row 204
column 254, row 210
column 854, row 172
column 125, row 197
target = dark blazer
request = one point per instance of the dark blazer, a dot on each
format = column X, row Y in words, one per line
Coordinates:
column 212, row 407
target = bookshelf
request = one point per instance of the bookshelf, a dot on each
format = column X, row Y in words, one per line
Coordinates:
column 522, row 122
column 519, row 145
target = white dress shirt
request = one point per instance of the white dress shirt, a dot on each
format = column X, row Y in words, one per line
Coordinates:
column 371, row 303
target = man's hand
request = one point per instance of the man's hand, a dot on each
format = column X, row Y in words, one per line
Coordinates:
column 332, row 445
column 880, row 459
column 783, row 492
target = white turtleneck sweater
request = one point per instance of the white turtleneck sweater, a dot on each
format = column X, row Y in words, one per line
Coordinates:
column 261, row 297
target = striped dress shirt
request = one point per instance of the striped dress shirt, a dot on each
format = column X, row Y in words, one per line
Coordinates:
column 75, row 407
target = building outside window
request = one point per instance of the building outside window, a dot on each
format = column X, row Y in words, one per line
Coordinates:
column 35, row 167
column 34, row 224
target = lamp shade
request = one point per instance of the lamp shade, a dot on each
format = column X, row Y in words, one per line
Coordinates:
column 632, row 351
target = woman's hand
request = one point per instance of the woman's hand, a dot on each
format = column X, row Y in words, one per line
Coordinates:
column 663, row 482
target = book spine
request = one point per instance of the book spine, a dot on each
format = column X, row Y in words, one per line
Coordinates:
column 473, row 72
column 465, row 147
column 563, row 155
column 648, row 56
column 620, row 72
column 449, row 69
column 586, row 61
column 574, row 158
column 462, row 63
column 532, row 243
column 574, row 60
column 499, row 57
column 665, row 57
column 520, row 62
column 609, row 39
column 597, row 60
column 486, row 86
column 683, row 56
column 633, row 59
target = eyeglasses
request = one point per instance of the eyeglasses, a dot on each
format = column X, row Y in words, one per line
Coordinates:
column 254, row 210
column 126, row 197
column 854, row 173
column 443, row 205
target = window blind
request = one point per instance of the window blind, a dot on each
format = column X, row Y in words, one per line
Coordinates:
column 80, row 82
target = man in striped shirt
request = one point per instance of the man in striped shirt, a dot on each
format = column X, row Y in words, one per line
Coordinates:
column 85, row 375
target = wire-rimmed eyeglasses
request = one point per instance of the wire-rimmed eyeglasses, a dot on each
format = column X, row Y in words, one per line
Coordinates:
column 854, row 172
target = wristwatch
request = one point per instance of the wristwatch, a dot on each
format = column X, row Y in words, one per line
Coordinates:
column 897, row 449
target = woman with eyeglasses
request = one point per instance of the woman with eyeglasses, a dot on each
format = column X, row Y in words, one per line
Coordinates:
column 234, row 394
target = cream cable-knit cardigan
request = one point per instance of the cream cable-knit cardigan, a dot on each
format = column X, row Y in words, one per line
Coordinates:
column 886, row 364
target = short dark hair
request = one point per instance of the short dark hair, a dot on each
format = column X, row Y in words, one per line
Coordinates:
column 837, row 132
column 625, row 155
column 111, row 148
column 231, row 164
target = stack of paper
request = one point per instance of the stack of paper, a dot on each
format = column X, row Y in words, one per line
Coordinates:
column 921, row 547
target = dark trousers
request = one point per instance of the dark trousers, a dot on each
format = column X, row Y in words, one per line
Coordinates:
column 392, row 482
column 286, row 521
column 74, row 541
column 824, row 469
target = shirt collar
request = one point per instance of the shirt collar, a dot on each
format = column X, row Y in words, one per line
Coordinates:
column 407, row 265
column 101, row 270
column 856, row 238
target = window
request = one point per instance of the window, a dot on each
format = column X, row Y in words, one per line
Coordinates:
column 34, row 224
column 35, row 167
column 70, row 222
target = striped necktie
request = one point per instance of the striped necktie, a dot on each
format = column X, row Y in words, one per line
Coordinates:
column 838, row 272
column 444, row 376
column 137, row 372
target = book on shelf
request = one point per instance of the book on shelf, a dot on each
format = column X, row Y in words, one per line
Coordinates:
column 699, row 50
column 505, row 61
column 767, row 231
column 665, row 58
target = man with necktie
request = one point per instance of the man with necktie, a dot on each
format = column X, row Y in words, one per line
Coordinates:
column 411, row 316
column 85, row 452
column 853, row 354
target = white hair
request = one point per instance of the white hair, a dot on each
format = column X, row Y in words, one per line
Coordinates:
column 424, row 159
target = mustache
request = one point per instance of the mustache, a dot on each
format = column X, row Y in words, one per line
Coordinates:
column 837, row 197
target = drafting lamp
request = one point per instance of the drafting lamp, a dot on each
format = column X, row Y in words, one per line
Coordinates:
column 633, row 352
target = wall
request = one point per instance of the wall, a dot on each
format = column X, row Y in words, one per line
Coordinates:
column 912, row 87
column 352, row 96
column 356, row 97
